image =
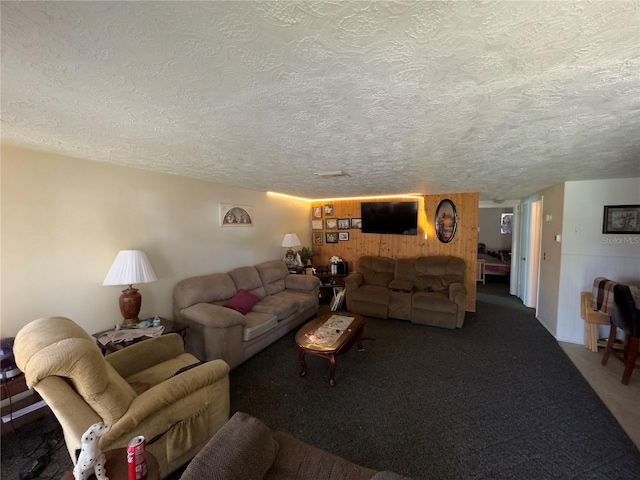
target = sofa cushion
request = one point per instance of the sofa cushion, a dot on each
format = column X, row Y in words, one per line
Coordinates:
column 371, row 294
column 433, row 302
column 376, row 270
column 242, row 301
column 247, row 278
column 272, row 275
column 430, row 283
column 299, row 460
column 302, row 299
column 256, row 324
column 242, row 449
column 203, row 289
column 280, row 305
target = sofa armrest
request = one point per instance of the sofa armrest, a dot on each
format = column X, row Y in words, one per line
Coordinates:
column 402, row 285
column 353, row 280
column 303, row 283
column 458, row 293
column 243, row 448
column 153, row 412
column 209, row 315
column 146, row 354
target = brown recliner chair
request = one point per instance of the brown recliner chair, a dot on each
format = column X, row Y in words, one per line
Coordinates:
column 134, row 390
column 627, row 317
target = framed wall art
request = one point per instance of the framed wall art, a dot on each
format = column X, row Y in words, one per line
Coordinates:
column 356, row 223
column 343, row 223
column 232, row 215
column 505, row 223
column 446, row 221
column 328, row 210
column 331, row 237
column 331, row 223
column 316, row 224
column 343, row 236
column 317, row 212
column 621, row 219
column 317, row 238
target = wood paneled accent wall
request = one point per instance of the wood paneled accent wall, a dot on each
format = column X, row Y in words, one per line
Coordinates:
column 464, row 244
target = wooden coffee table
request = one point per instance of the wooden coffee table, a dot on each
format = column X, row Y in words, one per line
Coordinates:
column 339, row 340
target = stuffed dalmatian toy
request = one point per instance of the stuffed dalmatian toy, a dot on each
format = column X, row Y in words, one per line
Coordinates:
column 91, row 459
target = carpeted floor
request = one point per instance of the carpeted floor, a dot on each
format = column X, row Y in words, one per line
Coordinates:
column 496, row 399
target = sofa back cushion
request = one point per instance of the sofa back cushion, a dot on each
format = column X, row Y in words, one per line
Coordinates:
column 216, row 287
column 376, row 270
column 436, row 273
column 272, row 274
column 247, row 278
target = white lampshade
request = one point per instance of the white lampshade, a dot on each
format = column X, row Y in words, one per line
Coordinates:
column 291, row 240
column 130, row 267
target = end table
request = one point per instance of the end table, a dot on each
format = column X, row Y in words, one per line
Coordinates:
column 169, row 327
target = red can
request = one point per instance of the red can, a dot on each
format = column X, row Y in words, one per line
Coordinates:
column 135, row 458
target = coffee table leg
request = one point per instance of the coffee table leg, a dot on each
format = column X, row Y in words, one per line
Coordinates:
column 333, row 360
column 302, row 362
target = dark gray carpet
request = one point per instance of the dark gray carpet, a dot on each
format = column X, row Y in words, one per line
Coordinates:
column 495, row 399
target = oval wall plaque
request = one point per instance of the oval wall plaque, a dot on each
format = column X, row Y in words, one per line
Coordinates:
column 446, row 221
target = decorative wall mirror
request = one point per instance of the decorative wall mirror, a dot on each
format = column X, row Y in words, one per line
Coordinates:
column 446, row 221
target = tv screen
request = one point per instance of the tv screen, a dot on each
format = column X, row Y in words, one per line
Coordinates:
column 395, row 218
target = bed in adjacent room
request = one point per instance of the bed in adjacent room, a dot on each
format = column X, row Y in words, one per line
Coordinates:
column 496, row 262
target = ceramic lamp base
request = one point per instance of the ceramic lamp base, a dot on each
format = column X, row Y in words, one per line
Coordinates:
column 130, row 302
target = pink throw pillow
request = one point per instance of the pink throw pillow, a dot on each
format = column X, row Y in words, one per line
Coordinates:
column 242, row 301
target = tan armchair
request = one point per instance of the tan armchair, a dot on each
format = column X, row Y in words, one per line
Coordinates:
column 131, row 390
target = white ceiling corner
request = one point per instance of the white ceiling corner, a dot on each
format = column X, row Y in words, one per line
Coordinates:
column 501, row 97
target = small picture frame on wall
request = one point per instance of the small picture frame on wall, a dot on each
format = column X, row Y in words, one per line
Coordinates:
column 328, row 210
column 356, row 223
column 343, row 236
column 623, row 219
column 343, row 223
column 505, row 223
column 316, row 224
column 317, row 212
column 331, row 237
column 317, row 238
column 331, row 223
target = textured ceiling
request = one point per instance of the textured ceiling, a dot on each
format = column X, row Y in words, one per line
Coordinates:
column 503, row 98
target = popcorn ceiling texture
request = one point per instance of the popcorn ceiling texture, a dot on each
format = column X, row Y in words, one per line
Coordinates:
column 504, row 98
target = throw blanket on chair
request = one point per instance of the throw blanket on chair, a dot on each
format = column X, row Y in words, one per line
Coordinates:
column 602, row 296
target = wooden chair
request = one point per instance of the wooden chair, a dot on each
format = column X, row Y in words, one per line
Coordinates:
column 626, row 315
column 592, row 319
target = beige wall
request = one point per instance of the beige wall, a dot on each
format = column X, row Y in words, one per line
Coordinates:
column 65, row 219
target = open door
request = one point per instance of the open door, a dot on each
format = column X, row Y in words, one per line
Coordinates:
column 529, row 252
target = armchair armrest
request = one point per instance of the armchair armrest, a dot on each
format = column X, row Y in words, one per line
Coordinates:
column 153, row 412
column 304, row 283
column 146, row 354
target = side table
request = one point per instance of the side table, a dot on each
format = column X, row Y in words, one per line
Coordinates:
column 118, row 469
column 170, row 326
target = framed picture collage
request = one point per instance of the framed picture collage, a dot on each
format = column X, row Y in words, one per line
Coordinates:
column 324, row 221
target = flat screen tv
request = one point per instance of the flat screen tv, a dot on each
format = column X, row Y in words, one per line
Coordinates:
column 394, row 218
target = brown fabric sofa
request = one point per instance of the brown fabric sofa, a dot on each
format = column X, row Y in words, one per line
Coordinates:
column 427, row 290
column 285, row 301
column 245, row 449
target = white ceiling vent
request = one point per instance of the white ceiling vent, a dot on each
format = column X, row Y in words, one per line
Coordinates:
column 337, row 173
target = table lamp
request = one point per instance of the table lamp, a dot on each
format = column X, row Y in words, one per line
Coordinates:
column 290, row 240
column 129, row 267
